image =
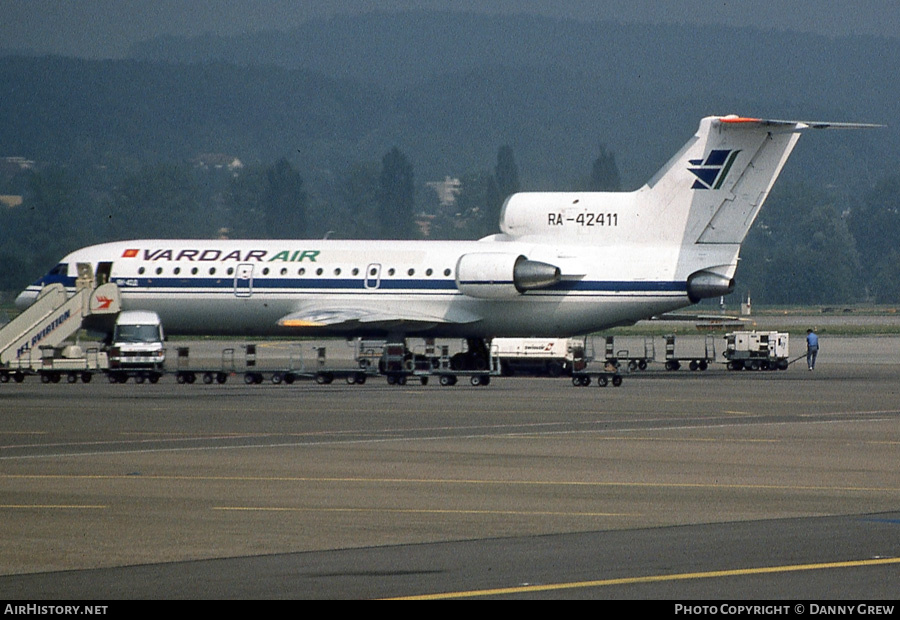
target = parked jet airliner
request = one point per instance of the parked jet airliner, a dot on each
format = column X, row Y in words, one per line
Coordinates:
column 563, row 264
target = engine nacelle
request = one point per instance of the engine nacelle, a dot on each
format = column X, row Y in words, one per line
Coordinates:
column 494, row 275
column 705, row 284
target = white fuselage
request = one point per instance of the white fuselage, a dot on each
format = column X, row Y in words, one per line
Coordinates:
column 564, row 264
column 245, row 287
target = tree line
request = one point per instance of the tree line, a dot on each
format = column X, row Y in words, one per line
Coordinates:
column 806, row 247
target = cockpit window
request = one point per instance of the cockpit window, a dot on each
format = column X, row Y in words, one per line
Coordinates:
column 61, row 269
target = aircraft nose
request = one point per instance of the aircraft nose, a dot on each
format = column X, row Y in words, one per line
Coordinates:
column 25, row 299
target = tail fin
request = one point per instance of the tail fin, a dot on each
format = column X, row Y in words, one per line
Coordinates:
column 697, row 209
column 709, row 193
column 712, row 190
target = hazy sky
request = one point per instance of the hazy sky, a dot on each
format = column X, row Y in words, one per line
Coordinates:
column 105, row 28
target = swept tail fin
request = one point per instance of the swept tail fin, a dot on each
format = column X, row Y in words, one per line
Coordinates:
column 709, row 193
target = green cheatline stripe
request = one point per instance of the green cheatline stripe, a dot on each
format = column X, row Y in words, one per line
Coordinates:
column 725, row 170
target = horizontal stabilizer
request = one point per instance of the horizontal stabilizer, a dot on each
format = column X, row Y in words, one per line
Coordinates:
column 794, row 125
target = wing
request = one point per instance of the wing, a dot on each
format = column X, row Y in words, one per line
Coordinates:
column 346, row 318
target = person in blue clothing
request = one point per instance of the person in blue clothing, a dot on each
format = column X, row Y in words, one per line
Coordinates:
column 812, row 348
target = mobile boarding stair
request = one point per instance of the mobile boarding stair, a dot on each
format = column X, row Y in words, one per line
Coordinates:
column 47, row 323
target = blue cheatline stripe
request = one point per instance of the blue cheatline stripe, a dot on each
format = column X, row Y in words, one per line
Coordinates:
column 187, row 285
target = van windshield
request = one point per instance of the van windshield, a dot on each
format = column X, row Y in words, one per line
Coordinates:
column 137, row 333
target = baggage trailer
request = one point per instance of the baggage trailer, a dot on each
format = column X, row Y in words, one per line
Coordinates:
column 399, row 364
column 757, row 350
column 603, row 372
column 695, row 362
column 442, row 368
column 584, row 378
column 634, row 362
column 256, row 371
column 73, row 362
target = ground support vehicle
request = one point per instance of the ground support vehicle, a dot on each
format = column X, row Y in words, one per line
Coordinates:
column 633, row 361
column 540, row 356
column 757, row 350
column 695, row 362
column 34, row 341
column 137, row 348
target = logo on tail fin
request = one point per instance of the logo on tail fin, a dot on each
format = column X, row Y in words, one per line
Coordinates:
column 711, row 172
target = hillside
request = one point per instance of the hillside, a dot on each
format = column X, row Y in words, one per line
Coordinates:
column 449, row 89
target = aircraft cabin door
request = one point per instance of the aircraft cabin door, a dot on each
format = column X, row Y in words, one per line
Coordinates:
column 373, row 276
column 243, row 280
column 104, row 273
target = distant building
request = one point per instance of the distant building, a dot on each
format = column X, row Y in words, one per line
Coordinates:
column 424, row 222
column 447, row 190
column 11, row 166
column 10, row 202
column 218, row 161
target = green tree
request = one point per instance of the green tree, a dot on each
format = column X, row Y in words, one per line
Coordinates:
column 267, row 203
column 800, row 251
column 51, row 221
column 284, row 202
column 506, row 173
column 158, row 201
column 875, row 225
column 355, row 210
column 396, row 196
column 605, row 173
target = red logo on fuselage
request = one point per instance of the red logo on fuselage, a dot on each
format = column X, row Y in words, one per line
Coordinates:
column 130, row 253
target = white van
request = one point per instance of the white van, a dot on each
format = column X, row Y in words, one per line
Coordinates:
column 137, row 347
